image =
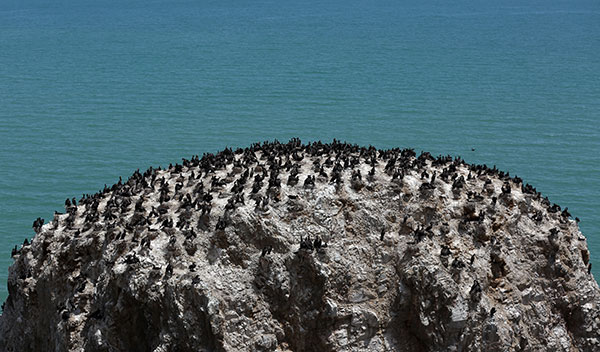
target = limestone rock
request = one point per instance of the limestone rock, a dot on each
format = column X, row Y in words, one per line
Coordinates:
column 318, row 247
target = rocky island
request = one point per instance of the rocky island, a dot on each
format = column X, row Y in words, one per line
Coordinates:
column 306, row 247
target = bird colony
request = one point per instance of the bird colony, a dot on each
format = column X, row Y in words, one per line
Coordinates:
column 306, row 247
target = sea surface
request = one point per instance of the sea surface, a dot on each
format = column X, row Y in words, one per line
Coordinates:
column 91, row 90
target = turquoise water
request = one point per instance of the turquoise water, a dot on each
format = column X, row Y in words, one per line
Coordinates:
column 92, row 90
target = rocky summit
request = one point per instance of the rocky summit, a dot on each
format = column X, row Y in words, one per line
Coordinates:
column 306, row 247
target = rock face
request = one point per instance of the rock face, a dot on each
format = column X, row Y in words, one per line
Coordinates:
column 318, row 247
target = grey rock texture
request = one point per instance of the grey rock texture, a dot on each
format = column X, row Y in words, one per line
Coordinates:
column 243, row 251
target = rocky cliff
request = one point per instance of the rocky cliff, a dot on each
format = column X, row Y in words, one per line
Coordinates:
column 318, row 247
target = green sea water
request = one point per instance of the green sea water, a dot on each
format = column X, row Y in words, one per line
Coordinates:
column 92, row 90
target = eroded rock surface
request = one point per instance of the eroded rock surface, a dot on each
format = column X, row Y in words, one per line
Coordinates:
column 319, row 247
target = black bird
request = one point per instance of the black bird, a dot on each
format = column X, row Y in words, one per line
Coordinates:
column 382, row 234
column 266, row 250
column 475, row 292
column 221, row 224
column 309, row 182
column 306, row 243
column 318, row 243
column 37, row 224
column 131, row 259
column 445, row 251
column 458, row 264
column 492, row 311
